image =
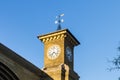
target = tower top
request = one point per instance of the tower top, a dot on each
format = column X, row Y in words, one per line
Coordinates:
column 59, row 21
column 58, row 34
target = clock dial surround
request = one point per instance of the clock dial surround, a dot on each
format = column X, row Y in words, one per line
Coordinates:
column 53, row 51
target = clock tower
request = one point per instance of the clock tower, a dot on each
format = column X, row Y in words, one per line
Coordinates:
column 59, row 54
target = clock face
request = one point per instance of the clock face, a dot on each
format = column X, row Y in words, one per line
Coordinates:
column 69, row 53
column 53, row 51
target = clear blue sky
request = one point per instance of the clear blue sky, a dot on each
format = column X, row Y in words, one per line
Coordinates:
column 95, row 23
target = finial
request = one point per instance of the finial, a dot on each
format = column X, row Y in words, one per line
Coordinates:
column 59, row 21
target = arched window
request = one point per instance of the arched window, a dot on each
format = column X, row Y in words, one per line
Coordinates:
column 6, row 73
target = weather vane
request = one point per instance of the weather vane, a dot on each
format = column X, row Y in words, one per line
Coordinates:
column 59, row 21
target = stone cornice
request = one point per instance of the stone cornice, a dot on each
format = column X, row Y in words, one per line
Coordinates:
column 60, row 34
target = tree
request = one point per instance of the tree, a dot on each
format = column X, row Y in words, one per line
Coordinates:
column 116, row 61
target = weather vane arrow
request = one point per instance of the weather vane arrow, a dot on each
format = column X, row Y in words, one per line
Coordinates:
column 59, row 21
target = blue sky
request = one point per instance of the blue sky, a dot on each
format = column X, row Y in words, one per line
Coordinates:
column 95, row 23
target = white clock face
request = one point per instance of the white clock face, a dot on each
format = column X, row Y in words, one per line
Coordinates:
column 53, row 51
column 69, row 53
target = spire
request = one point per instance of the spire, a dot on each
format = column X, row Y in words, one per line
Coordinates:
column 59, row 21
column 59, row 27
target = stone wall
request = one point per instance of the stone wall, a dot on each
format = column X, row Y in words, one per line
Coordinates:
column 22, row 68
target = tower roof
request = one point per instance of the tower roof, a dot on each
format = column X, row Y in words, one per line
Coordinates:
column 57, row 35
